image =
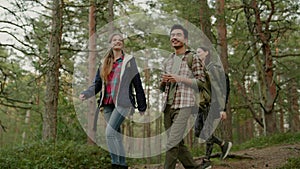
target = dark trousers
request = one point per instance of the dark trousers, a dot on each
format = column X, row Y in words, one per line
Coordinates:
column 207, row 132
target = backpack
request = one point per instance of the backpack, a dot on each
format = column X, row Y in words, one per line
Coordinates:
column 204, row 96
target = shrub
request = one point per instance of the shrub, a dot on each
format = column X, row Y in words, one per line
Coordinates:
column 293, row 163
column 60, row 155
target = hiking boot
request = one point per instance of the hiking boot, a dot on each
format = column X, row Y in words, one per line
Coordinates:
column 114, row 166
column 123, row 167
column 206, row 164
column 225, row 149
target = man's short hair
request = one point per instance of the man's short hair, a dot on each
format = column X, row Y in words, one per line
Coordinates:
column 177, row 26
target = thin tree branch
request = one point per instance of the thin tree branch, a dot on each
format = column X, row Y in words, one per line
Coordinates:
column 18, row 49
column 15, row 106
column 15, row 100
column 286, row 55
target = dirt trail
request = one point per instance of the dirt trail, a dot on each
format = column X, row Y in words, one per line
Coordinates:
column 253, row 158
column 265, row 158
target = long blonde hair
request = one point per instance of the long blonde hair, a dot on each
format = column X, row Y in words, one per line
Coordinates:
column 109, row 59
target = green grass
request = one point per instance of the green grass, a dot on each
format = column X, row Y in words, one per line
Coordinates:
column 71, row 154
column 293, row 163
column 60, row 155
column 266, row 141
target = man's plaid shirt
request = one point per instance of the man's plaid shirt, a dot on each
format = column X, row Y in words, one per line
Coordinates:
column 185, row 94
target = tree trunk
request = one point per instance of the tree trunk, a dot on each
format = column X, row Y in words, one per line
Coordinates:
column 249, row 129
column 223, row 51
column 92, row 69
column 52, row 78
column 111, row 15
column 238, row 132
column 130, row 133
column 270, row 86
column 281, row 111
column 147, row 126
column 294, row 109
column 158, row 130
column 261, row 35
column 27, row 119
column 204, row 18
column 258, row 63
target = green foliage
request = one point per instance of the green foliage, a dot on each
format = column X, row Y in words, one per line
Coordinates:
column 21, row 89
column 265, row 141
column 59, row 155
column 293, row 163
column 182, row 9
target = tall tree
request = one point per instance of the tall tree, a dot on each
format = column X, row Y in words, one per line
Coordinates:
column 269, row 88
column 294, row 118
column 52, row 78
column 262, row 34
column 223, row 51
column 111, row 15
column 250, row 46
column 92, row 68
column 205, row 22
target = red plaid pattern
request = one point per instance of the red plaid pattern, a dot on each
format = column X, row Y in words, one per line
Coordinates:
column 113, row 82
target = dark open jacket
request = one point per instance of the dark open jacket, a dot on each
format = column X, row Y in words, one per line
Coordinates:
column 129, row 79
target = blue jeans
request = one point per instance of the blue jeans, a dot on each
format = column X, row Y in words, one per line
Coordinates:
column 114, row 117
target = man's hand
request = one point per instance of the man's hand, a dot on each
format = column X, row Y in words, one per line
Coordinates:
column 223, row 115
column 82, row 97
column 171, row 78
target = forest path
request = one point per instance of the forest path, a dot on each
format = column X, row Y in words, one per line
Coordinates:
column 254, row 158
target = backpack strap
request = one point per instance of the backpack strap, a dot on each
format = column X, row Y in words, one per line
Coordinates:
column 207, row 79
column 189, row 60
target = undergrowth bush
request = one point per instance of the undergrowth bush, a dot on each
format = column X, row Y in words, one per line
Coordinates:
column 71, row 154
column 60, row 155
column 265, row 141
column 293, row 163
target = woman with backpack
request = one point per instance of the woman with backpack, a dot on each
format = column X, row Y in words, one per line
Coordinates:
column 213, row 107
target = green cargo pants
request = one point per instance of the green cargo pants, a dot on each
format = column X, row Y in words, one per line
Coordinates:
column 175, row 121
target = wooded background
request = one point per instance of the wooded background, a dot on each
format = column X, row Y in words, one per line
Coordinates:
column 257, row 41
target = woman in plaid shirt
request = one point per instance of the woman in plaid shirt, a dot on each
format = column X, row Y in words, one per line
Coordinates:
column 114, row 79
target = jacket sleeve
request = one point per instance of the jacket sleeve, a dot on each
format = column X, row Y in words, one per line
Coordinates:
column 137, row 84
column 218, row 85
column 95, row 87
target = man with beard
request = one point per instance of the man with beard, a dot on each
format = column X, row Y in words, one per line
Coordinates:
column 179, row 84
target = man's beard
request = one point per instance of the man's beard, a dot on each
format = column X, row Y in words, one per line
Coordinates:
column 178, row 47
column 180, row 44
